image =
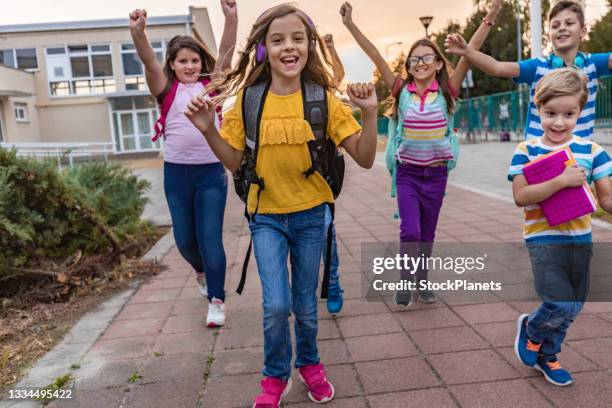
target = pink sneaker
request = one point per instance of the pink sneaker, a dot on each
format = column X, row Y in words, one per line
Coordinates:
column 272, row 392
column 319, row 389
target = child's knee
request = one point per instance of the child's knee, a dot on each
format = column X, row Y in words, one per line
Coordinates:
column 277, row 309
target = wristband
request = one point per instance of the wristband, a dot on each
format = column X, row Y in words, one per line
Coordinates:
column 487, row 22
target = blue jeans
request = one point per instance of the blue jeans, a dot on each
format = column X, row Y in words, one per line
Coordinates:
column 196, row 195
column 299, row 235
column 561, row 275
column 334, row 276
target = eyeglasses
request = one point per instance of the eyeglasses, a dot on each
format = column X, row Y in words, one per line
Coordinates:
column 427, row 59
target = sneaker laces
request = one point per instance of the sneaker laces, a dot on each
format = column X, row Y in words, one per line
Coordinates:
column 531, row 346
column 216, row 306
column 554, row 365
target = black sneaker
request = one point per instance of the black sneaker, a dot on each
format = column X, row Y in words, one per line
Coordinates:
column 427, row 296
column 403, row 298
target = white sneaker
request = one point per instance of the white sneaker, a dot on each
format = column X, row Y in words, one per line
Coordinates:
column 216, row 313
column 201, row 284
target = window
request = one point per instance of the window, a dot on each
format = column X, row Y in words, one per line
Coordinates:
column 133, row 69
column 23, row 58
column 21, row 112
column 80, row 69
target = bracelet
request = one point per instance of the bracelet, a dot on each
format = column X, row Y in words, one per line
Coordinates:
column 487, row 22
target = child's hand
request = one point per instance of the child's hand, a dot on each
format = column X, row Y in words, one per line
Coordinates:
column 201, row 113
column 346, row 11
column 328, row 39
column 455, row 44
column 363, row 95
column 230, row 9
column 573, row 176
column 138, row 20
column 496, row 6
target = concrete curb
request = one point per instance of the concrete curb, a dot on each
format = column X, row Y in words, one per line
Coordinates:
column 83, row 335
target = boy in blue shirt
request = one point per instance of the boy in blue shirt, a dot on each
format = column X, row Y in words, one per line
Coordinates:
column 560, row 255
column 567, row 29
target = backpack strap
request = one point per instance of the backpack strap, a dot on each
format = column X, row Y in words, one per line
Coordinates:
column 450, row 131
column 328, row 252
column 314, row 99
column 168, row 99
column 254, row 98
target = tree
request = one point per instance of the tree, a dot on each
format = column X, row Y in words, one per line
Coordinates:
column 501, row 42
column 382, row 90
column 600, row 36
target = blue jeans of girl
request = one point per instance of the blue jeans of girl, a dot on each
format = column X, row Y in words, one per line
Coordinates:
column 196, row 195
column 299, row 236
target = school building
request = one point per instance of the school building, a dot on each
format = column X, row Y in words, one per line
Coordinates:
column 82, row 81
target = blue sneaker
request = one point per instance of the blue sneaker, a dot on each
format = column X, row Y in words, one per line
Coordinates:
column 335, row 299
column 526, row 350
column 553, row 372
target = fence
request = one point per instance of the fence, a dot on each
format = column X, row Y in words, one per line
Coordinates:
column 61, row 151
column 484, row 113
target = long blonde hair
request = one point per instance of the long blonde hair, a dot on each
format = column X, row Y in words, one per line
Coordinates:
column 320, row 67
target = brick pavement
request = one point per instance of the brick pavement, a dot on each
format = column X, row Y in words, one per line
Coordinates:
column 441, row 355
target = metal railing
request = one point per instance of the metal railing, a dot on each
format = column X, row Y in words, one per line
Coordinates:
column 61, row 151
column 483, row 113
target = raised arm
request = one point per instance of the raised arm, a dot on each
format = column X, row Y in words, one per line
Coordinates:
column 346, row 11
column 455, row 44
column 476, row 42
column 525, row 194
column 228, row 39
column 154, row 72
column 362, row 146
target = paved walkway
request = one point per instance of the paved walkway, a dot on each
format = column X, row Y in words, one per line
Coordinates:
column 441, row 355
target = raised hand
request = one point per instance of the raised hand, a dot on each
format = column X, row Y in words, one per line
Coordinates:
column 573, row 176
column 455, row 44
column 346, row 11
column 201, row 113
column 229, row 7
column 328, row 39
column 363, row 95
column 138, row 20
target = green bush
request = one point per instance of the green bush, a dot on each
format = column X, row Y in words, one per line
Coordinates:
column 47, row 216
column 113, row 192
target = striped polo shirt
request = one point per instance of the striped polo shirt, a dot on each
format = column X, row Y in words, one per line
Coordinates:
column 591, row 157
column 423, row 138
column 532, row 70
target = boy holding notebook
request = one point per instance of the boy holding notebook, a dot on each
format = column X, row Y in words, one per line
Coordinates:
column 560, row 255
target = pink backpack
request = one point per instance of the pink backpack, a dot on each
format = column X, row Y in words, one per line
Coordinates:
column 160, row 124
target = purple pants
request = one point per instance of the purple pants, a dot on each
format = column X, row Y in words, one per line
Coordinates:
column 420, row 192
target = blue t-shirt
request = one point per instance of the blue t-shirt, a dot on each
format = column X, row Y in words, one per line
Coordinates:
column 597, row 165
column 532, row 70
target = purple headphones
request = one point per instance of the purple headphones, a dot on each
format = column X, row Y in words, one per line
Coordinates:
column 260, row 51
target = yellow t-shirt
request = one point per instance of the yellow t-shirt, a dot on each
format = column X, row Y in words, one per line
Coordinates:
column 283, row 153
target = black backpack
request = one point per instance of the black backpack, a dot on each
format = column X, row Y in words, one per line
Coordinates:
column 326, row 158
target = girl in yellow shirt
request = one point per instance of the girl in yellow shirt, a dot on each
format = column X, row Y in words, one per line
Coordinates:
column 284, row 49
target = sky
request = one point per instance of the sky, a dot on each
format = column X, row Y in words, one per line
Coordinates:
column 383, row 21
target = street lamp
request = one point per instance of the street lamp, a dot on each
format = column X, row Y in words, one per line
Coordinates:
column 391, row 45
column 426, row 21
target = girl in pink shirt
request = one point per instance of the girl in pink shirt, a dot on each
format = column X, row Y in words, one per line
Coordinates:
column 195, row 182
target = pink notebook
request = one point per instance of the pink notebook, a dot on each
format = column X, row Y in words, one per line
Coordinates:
column 567, row 204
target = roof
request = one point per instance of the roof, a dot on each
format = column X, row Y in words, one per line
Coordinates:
column 92, row 24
